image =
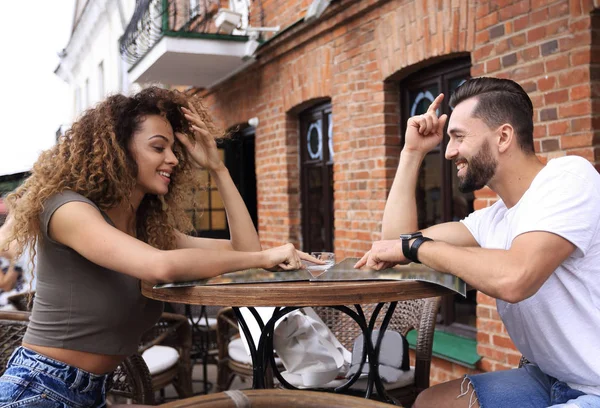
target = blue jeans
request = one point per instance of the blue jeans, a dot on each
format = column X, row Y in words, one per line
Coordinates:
column 525, row 387
column 34, row 380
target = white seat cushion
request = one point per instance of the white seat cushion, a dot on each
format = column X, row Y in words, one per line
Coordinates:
column 237, row 352
column 160, row 358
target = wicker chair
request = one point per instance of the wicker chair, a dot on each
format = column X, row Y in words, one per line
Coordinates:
column 204, row 335
column 275, row 398
column 130, row 380
column 172, row 330
column 21, row 300
column 411, row 314
column 12, row 329
column 419, row 314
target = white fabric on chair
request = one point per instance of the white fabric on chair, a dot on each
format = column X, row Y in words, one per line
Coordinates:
column 308, row 348
column 237, row 352
column 160, row 358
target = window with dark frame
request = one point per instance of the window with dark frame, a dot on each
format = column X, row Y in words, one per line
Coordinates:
column 206, row 209
column 205, row 205
column 438, row 198
column 316, row 179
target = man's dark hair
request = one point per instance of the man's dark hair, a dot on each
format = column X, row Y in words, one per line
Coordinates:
column 500, row 101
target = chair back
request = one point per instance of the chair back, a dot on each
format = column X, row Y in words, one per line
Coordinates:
column 132, row 380
column 407, row 316
column 12, row 329
column 22, row 301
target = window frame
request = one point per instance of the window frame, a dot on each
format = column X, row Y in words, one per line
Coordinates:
column 323, row 112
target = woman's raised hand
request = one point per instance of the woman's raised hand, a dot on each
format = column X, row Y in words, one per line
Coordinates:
column 287, row 258
column 203, row 148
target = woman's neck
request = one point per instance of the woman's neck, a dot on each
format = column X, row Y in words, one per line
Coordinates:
column 124, row 214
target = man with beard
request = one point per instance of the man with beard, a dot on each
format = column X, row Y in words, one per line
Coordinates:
column 536, row 250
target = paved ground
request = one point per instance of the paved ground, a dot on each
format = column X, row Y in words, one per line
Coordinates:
column 198, row 383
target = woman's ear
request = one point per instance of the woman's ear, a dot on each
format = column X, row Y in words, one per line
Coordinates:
column 506, row 137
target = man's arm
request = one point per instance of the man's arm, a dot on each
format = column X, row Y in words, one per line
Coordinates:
column 511, row 275
column 423, row 133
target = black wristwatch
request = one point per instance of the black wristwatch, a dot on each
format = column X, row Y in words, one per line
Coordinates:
column 410, row 253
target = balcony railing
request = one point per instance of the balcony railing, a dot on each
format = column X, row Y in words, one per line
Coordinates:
column 177, row 42
column 152, row 19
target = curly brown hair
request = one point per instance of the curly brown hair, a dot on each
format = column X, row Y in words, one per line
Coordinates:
column 92, row 159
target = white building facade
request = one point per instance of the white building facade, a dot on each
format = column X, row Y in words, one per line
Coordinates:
column 91, row 62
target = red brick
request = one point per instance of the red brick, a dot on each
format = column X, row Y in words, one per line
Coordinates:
column 557, row 63
column 486, row 21
column 557, row 27
column 538, row 16
column 587, row 153
column 580, row 57
column 493, row 65
column 556, row 97
column 580, row 92
column 569, row 142
column 575, row 76
column 503, row 342
column 546, row 83
column 520, row 23
column 536, row 34
column 558, row 128
column 575, row 109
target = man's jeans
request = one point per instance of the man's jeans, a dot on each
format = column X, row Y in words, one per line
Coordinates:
column 525, row 387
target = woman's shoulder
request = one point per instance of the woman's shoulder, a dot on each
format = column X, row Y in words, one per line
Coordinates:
column 58, row 199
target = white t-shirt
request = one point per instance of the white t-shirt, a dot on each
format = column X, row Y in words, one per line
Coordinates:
column 558, row 328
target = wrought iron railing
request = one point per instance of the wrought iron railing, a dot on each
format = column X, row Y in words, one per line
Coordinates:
column 152, row 19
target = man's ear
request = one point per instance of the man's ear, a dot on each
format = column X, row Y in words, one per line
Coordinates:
column 506, row 137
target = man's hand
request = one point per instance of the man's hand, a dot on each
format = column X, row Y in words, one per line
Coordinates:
column 383, row 254
column 424, row 132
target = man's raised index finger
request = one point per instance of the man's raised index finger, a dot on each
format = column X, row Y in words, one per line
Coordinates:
column 436, row 103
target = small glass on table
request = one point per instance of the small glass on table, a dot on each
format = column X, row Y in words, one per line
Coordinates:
column 316, row 269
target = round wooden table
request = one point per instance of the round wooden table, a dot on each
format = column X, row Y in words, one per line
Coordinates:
column 303, row 293
column 290, row 296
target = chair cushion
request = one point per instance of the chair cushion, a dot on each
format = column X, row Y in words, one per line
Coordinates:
column 237, row 352
column 160, row 358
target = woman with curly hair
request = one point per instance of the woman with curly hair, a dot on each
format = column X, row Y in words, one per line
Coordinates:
column 105, row 207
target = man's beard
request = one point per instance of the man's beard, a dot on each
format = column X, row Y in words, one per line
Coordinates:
column 480, row 169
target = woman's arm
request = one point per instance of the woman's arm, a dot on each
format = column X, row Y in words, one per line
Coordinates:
column 205, row 153
column 81, row 227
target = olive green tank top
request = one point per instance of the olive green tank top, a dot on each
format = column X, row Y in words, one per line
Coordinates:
column 80, row 305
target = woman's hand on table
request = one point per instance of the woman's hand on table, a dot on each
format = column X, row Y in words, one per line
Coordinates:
column 287, row 258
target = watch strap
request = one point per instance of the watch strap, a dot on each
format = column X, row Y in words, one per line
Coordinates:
column 405, row 248
column 414, row 248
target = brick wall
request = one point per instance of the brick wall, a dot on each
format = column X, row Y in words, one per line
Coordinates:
column 356, row 55
column 547, row 47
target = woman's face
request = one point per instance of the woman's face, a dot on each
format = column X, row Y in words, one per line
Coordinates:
column 152, row 148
